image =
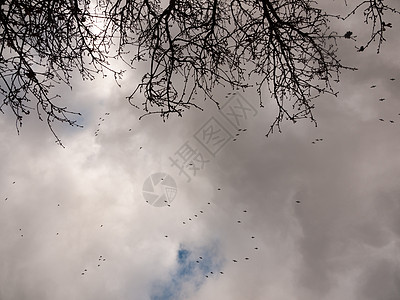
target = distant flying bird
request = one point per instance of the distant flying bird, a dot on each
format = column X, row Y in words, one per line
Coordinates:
column 219, row 189
column 392, row 79
column 239, row 221
column 201, row 211
column 252, row 237
column 381, row 120
column 222, row 272
column 85, row 270
column 391, row 121
column 98, row 265
column 166, row 236
column 373, row 86
column 235, row 261
column 313, row 142
column 256, row 248
column 184, row 222
column 297, row 201
column 212, row 272
column 197, row 261
column 245, row 211
column 13, row 182
column 208, row 203
column 200, row 257
column 246, row 258
column 195, row 216
column 381, row 99
column 83, row 274
column 207, row 276
column 140, row 147
column 6, row 199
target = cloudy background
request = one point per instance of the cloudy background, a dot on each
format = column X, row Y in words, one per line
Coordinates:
column 342, row 241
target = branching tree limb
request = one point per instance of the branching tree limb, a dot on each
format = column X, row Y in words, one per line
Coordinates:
column 285, row 46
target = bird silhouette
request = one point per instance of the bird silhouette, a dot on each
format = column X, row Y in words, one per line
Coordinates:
column 381, row 99
column 381, row 120
column 391, row 121
column 392, row 79
column 373, row 86
column 297, row 201
column 222, row 272
column 246, row 258
column 234, row 260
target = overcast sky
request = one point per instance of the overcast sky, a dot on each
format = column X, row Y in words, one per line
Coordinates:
column 67, row 210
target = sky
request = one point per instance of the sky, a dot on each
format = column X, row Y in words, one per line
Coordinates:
column 75, row 224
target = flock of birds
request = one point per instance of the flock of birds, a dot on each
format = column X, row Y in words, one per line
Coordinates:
column 101, row 119
column 384, row 99
column 101, row 259
column 197, row 216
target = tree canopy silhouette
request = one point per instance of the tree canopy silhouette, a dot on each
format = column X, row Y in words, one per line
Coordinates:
column 286, row 47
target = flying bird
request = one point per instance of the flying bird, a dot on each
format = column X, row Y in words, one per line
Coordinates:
column 391, row 121
column 373, row 86
column 381, row 99
column 235, row 261
column 381, row 120
column 297, row 201
column 392, row 79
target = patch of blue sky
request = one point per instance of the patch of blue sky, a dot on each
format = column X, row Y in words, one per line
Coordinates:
column 187, row 272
